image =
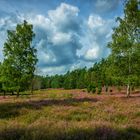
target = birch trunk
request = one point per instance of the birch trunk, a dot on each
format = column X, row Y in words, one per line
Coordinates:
column 128, row 90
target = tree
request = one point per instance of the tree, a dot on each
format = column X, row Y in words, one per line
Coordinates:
column 0, row 78
column 19, row 58
column 126, row 43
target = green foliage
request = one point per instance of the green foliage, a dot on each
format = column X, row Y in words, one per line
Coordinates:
column 119, row 69
column 99, row 88
column 0, row 77
column 82, row 78
column 19, row 59
column 91, row 88
column 125, row 44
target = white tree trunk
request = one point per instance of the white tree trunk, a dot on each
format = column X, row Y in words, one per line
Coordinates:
column 128, row 90
column 129, row 68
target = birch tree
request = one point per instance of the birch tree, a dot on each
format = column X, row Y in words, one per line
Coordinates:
column 19, row 59
column 125, row 43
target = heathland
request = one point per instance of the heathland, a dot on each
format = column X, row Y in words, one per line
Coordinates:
column 70, row 115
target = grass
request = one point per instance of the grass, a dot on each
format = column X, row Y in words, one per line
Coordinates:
column 69, row 115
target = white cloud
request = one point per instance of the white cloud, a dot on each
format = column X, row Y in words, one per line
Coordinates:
column 6, row 23
column 63, row 40
column 95, row 21
column 97, row 24
column 63, row 14
column 39, row 20
column 53, row 70
column 92, row 54
column 61, row 46
column 58, row 33
column 98, row 33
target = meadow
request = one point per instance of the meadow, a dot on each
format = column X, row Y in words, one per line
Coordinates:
column 58, row 114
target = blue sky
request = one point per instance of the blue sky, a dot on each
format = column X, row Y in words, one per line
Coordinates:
column 70, row 34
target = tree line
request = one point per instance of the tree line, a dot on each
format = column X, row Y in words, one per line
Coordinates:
column 101, row 74
column 120, row 68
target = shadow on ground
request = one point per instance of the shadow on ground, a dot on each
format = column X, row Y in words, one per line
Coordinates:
column 46, row 133
column 11, row 110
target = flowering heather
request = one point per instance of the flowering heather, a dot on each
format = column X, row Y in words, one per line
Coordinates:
column 58, row 114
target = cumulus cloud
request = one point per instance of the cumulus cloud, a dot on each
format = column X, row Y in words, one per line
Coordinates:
column 58, row 35
column 63, row 39
column 95, row 21
column 53, row 70
column 99, row 33
column 65, row 17
column 7, row 22
column 92, row 54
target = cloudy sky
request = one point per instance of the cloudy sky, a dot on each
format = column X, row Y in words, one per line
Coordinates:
column 69, row 33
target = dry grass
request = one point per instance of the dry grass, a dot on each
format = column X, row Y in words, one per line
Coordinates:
column 71, row 115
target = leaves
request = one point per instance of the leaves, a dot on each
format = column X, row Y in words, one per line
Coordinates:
column 124, row 58
column 20, row 58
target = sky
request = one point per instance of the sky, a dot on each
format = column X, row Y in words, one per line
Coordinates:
column 70, row 34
